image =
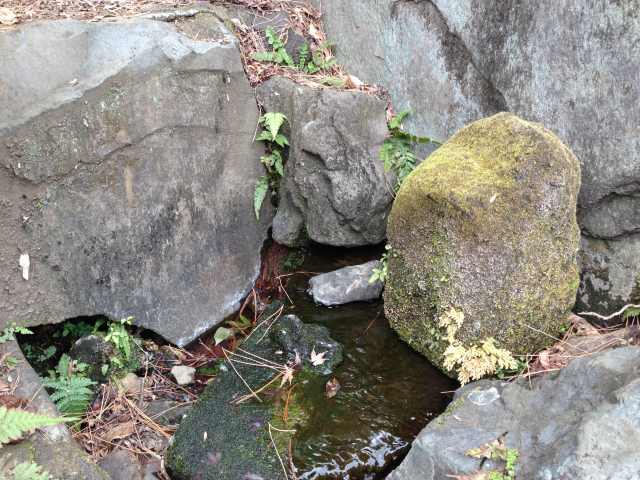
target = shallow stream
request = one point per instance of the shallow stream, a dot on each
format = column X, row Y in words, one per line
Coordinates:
column 388, row 392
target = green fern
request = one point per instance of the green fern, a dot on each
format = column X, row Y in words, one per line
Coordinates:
column 278, row 53
column 273, row 161
column 71, row 395
column 14, row 423
column 27, row 471
column 397, row 151
column 259, row 194
column 9, row 332
column 71, row 392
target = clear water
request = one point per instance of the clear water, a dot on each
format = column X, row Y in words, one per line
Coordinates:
column 388, row 392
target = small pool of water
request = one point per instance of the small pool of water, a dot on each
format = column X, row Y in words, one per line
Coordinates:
column 388, row 392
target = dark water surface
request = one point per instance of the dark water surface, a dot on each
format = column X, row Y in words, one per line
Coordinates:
column 388, row 392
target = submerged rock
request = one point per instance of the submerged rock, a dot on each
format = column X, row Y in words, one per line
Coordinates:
column 581, row 423
column 224, row 439
column 335, row 190
column 484, row 240
column 348, row 284
column 128, row 174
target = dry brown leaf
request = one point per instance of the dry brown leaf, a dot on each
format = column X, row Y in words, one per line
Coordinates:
column 332, row 387
column 120, row 431
column 7, row 17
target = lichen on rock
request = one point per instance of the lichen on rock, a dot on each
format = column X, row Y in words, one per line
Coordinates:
column 487, row 226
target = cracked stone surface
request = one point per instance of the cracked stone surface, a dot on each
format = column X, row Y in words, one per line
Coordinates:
column 569, row 64
column 335, row 190
column 127, row 170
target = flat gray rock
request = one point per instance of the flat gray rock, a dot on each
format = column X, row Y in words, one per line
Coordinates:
column 128, row 174
column 581, row 423
column 346, row 285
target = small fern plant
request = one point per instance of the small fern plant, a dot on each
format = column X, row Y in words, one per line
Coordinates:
column 379, row 274
column 273, row 161
column 71, row 391
column 119, row 336
column 15, row 423
column 315, row 61
column 278, row 53
column 397, row 151
column 26, row 471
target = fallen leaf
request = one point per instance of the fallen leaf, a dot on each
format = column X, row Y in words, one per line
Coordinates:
column 7, row 17
column 317, row 359
column 120, row 431
column 287, row 376
column 332, row 387
column 353, row 82
column 222, row 334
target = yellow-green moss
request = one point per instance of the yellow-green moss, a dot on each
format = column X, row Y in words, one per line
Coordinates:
column 487, row 223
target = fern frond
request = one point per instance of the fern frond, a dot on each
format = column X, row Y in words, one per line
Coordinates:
column 273, row 121
column 262, row 186
column 263, row 56
column 303, row 55
column 71, row 394
column 14, row 423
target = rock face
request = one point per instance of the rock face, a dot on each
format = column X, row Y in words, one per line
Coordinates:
column 128, row 174
column 581, row 423
column 570, row 65
column 486, row 229
column 53, row 448
column 348, row 284
column 335, row 190
column 223, row 439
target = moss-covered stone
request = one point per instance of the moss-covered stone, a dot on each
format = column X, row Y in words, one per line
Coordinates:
column 221, row 439
column 487, row 225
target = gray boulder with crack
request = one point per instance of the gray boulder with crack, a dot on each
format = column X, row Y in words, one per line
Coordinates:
column 128, row 167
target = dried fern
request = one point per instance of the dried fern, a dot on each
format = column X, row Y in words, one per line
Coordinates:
column 14, row 423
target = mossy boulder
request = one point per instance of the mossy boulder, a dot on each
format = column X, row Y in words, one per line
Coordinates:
column 484, row 239
column 223, row 438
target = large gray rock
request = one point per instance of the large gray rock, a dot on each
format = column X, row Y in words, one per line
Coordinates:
column 484, row 244
column 570, row 64
column 53, row 447
column 581, row 423
column 128, row 174
column 345, row 285
column 335, row 189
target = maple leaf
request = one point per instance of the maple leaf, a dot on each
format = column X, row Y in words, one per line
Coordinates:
column 317, row 359
column 287, row 376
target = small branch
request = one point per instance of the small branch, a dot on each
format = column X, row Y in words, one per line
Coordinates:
column 254, row 394
column 613, row 315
